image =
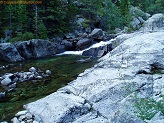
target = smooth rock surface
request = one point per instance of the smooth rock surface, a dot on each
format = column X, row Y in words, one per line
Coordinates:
column 63, row 107
column 105, row 92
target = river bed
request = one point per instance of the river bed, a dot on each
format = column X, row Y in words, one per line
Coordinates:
column 64, row 69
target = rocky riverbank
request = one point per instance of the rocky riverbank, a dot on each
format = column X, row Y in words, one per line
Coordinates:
column 126, row 86
column 10, row 80
column 38, row 48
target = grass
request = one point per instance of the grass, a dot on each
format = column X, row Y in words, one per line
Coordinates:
column 147, row 108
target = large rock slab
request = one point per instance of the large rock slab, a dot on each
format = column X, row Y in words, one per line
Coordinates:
column 36, row 48
column 154, row 23
column 106, row 92
column 59, row 107
column 9, row 53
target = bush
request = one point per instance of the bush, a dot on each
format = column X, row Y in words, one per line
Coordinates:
column 22, row 37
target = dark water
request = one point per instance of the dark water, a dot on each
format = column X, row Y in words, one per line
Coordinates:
column 64, row 69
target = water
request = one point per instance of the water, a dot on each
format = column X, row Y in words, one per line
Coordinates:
column 102, row 43
column 64, row 69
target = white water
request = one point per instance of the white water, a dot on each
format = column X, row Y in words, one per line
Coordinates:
column 102, row 43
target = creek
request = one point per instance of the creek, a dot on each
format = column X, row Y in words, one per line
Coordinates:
column 64, row 68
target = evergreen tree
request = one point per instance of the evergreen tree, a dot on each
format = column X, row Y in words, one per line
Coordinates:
column 42, row 30
column 112, row 16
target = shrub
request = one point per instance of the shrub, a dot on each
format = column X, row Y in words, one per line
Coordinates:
column 22, row 37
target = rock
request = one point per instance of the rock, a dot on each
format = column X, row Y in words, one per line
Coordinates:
column 67, row 45
column 124, row 117
column 162, row 71
column 84, row 43
column 12, row 86
column 21, row 113
column 138, row 17
column 33, row 69
column 84, row 60
column 22, row 117
column 48, row 72
column 60, row 48
column 2, row 67
column 2, row 94
column 158, row 89
column 28, row 116
column 138, row 12
column 36, row 48
column 70, row 36
column 135, row 23
column 37, row 118
column 96, row 34
column 23, row 122
column 35, row 121
column 73, row 107
column 98, row 51
column 30, row 121
column 9, row 53
column 39, row 77
column 15, row 120
column 107, row 92
column 6, row 81
column 158, row 118
column 154, row 23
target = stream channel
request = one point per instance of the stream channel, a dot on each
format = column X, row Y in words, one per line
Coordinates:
column 64, row 68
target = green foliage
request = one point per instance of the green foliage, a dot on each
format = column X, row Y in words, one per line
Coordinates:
column 147, row 108
column 42, row 32
column 85, row 24
column 55, row 17
column 150, row 6
column 22, row 37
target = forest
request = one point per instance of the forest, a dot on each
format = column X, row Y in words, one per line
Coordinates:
column 20, row 22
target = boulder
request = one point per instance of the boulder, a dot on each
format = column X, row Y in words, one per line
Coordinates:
column 15, row 120
column 33, row 69
column 2, row 94
column 98, row 51
column 138, row 17
column 60, row 48
column 96, row 34
column 154, row 23
column 35, row 48
column 6, row 81
column 69, row 36
column 134, row 11
column 135, row 23
column 9, row 53
column 84, row 43
column 48, row 72
column 67, row 45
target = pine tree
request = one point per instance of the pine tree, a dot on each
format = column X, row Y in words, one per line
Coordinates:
column 42, row 30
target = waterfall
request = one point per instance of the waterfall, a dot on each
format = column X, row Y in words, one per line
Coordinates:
column 102, row 43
